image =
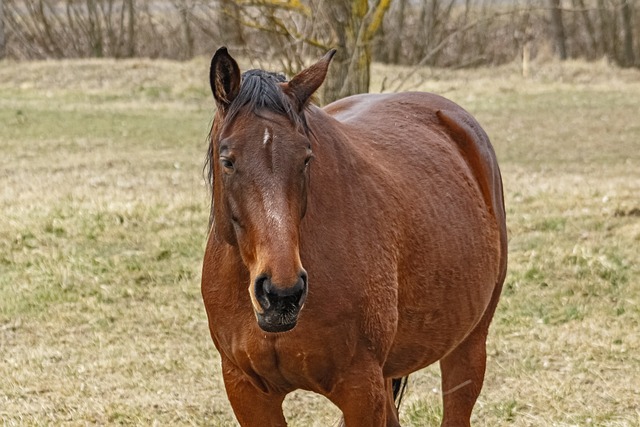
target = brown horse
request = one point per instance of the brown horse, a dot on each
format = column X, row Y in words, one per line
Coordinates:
column 349, row 246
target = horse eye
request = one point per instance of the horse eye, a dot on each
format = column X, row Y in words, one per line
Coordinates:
column 227, row 165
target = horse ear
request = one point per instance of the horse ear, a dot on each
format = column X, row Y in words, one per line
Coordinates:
column 224, row 77
column 305, row 83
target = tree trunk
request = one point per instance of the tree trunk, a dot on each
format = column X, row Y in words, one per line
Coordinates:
column 94, row 30
column 357, row 67
column 185, row 13
column 592, row 49
column 229, row 24
column 396, row 46
column 615, row 39
column 131, row 42
column 354, row 24
column 3, row 41
column 349, row 73
column 345, row 18
column 463, row 36
column 628, row 57
column 608, row 42
column 558, row 29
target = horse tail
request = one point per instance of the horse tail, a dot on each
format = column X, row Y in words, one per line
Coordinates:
column 399, row 386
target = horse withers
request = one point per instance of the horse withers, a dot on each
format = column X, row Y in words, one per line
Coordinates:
column 349, row 246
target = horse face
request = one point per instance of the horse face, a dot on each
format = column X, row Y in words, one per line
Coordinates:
column 264, row 171
column 260, row 157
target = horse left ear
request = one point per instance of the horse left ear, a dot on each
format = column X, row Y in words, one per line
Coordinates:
column 224, row 77
column 306, row 82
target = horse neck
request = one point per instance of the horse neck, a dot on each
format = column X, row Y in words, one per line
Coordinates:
column 329, row 136
column 335, row 153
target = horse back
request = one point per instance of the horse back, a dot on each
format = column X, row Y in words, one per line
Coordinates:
column 397, row 119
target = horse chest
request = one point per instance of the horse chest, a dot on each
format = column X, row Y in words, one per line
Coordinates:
column 281, row 364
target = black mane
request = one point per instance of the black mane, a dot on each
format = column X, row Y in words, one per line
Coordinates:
column 259, row 91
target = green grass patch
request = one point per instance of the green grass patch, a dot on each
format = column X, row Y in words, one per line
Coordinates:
column 104, row 220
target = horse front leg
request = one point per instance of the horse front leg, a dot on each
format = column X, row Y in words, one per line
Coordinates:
column 364, row 399
column 251, row 406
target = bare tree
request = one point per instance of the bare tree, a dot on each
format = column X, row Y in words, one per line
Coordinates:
column 3, row 43
column 185, row 9
column 557, row 25
column 628, row 57
column 592, row 42
column 293, row 30
column 95, row 29
column 354, row 24
column 131, row 43
column 228, row 19
column 397, row 49
column 443, row 33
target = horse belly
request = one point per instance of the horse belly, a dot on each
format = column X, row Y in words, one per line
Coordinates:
column 445, row 284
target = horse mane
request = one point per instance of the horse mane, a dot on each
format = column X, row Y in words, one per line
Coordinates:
column 260, row 91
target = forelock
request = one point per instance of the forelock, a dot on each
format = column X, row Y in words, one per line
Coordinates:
column 260, row 91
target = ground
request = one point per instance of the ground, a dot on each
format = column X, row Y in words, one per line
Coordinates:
column 104, row 216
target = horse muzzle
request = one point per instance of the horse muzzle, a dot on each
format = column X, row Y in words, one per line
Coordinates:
column 279, row 305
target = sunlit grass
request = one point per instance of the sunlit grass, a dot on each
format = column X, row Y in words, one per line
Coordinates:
column 104, row 218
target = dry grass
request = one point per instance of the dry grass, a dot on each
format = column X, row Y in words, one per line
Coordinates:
column 104, row 216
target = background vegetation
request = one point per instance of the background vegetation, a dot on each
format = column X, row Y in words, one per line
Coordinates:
column 444, row 33
column 103, row 219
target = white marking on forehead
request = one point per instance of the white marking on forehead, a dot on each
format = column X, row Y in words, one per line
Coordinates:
column 275, row 210
column 267, row 136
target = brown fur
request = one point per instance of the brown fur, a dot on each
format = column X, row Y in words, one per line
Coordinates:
column 399, row 222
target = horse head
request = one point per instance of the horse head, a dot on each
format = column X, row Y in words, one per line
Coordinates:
column 259, row 159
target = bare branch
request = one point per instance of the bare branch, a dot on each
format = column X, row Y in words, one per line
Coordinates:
column 293, row 5
column 377, row 17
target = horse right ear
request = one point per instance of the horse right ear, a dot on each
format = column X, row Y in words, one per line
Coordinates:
column 304, row 84
column 224, row 77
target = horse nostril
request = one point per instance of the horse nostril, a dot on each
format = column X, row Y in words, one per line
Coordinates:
column 262, row 288
column 302, row 282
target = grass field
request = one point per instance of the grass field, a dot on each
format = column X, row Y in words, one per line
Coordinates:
column 103, row 219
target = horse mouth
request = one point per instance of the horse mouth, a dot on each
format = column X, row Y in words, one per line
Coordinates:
column 278, row 320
